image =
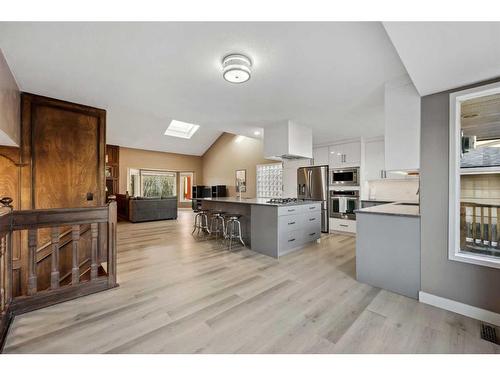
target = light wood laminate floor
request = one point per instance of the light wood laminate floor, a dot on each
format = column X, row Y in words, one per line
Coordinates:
column 179, row 294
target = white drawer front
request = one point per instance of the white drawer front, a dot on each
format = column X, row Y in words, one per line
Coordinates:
column 312, row 234
column 343, row 225
column 314, row 207
column 288, row 223
column 289, row 210
column 311, row 219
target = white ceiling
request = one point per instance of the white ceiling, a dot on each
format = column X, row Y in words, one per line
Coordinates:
column 441, row 56
column 328, row 76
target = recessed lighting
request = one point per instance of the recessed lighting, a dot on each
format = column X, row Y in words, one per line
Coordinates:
column 181, row 129
column 256, row 132
column 236, row 68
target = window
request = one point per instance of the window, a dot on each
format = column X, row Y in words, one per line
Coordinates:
column 181, row 129
column 270, row 180
column 152, row 183
column 474, row 227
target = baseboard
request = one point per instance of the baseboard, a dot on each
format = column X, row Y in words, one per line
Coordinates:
column 460, row 308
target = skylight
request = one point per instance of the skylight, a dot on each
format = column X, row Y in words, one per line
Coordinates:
column 181, row 129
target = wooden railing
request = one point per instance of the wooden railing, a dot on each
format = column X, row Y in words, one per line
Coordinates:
column 5, row 266
column 102, row 222
column 479, row 225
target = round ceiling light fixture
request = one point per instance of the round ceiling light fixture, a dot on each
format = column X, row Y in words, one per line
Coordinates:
column 236, row 68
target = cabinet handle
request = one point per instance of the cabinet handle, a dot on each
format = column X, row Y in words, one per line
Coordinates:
column 291, row 210
column 312, row 219
column 312, row 208
column 293, row 239
column 291, row 223
column 312, row 234
column 344, row 225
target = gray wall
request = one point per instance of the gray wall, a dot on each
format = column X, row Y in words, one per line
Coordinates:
column 467, row 283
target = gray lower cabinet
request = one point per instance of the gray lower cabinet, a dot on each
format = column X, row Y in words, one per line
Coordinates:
column 281, row 230
column 388, row 252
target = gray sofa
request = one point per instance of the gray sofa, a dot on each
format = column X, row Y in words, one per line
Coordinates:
column 146, row 209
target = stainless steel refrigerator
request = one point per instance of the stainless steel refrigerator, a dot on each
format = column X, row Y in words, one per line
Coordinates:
column 312, row 184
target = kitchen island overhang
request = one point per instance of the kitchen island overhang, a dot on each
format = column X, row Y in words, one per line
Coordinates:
column 270, row 228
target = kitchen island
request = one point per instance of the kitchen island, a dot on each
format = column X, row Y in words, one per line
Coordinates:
column 272, row 229
column 388, row 247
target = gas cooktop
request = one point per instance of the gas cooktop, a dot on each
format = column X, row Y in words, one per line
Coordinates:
column 283, row 200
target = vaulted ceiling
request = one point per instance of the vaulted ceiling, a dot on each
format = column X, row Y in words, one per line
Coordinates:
column 441, row 56
column 328, row 76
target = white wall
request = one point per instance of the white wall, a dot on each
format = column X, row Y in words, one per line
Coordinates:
column 10, row 106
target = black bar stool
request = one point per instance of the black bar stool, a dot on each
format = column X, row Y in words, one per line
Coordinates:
column 233, row 229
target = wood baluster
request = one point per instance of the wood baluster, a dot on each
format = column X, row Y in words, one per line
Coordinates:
column 8, row 265
column 481, row 228
column 32, row 246
column 474, row 229
column 75, row 270
column 490, row 228
column 498, row 227
column 112, row 219
column 54, row 274
column 3, row 271
column 93, row 265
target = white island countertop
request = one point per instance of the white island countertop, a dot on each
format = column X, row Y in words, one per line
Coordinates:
column 396, row 208
column 255, row 201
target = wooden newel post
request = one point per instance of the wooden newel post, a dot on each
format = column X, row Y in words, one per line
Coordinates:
column 6, row 202
column 112, row 219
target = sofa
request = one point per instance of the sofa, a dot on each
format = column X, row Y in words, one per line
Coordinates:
column 141, row 209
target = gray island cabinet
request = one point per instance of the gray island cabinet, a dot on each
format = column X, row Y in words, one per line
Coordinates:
column 388, row 247
column 270, row 228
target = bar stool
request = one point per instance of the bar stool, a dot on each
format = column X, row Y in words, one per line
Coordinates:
column 217, row 224
column 233, row 229
column 201, row 221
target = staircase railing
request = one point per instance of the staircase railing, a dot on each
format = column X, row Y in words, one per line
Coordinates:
column 5, row 266
column 102, row 221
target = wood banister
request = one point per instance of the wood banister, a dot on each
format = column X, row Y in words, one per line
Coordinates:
column 54, row 275
column 75, row 270
column 55, row 219
column 93, row 255
column 32, row 245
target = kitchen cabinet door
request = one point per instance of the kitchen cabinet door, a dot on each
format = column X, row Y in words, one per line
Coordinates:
column 374, row 160
column 352, row 154
column 402, row 126
column 336, row 156
column 320, row 155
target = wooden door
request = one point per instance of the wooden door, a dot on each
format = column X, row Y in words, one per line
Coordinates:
column 63, row 146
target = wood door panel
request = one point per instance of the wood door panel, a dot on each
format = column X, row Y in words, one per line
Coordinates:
column 62, row 151
column 65, row 156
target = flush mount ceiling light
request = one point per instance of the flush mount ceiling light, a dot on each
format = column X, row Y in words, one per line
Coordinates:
column 181, row 129
column 236, row 68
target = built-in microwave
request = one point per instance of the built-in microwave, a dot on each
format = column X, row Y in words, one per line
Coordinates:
column 344, row 177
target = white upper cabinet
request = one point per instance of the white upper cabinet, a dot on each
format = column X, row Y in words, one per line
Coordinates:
column 320, row 155
column 352, row 154
column 374, row 160
column 345, row 155
column 402, row 126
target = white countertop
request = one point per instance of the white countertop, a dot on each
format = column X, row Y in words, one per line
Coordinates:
column 257, row 201
column 395, row 208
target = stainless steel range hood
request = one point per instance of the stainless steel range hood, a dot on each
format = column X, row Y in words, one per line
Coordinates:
column 287, row 140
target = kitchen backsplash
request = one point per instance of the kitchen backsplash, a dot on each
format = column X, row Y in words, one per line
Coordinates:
column 394, row 189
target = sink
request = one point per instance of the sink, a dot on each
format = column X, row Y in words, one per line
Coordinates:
column 407, row 204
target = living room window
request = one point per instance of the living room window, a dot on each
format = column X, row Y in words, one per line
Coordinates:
column 474, row 226
column 152, row 183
